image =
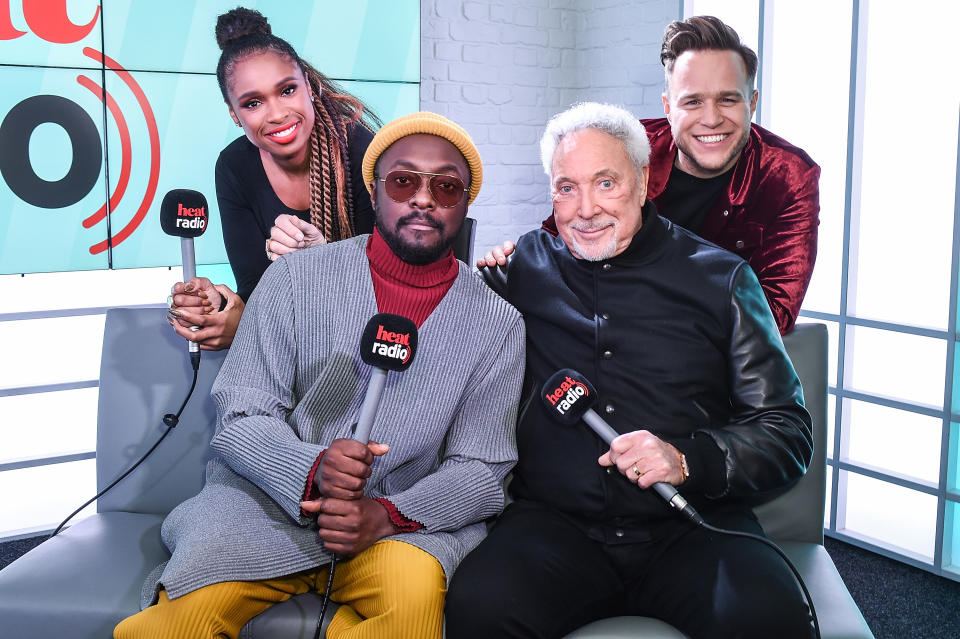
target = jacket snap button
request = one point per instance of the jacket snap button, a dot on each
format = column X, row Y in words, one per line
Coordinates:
column 607, row 267
column 607, row 355
column 605, row 316
column 609, row 408
column 739, row 244
column 726, row 213
column 618, row 532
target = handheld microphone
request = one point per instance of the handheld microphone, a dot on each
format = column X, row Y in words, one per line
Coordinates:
column 568, row 398
column 389, row 343
column 183, row 214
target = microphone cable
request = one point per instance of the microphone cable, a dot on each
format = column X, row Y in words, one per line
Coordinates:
column 326, row 597
column 170, row 420
column 697, row 519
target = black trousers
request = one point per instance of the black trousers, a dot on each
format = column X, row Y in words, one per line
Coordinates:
column 538, row 575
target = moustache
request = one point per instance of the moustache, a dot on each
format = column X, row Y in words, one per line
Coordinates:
column 420, row 218
column 589, row 226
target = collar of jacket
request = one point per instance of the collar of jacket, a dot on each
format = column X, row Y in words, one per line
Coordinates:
column 663, row 155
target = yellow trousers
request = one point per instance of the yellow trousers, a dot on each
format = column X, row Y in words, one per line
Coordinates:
column 390, row 590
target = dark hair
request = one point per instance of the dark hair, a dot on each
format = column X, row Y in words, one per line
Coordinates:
column 699, row 33
column 243, row 32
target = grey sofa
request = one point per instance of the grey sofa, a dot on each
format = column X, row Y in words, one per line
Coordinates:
column 794, row 520
column 81, row 583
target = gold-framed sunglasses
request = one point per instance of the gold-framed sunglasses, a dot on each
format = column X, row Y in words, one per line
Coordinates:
column 402, row 184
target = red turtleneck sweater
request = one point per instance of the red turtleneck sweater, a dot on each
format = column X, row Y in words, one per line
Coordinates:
column 407, row 289
column 412, row 291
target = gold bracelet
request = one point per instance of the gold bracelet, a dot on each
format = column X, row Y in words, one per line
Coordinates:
column 684, row 469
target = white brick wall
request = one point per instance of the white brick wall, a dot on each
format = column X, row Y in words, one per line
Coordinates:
column 502, row 68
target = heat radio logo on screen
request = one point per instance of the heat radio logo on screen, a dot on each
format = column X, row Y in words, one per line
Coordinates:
column 48, row 20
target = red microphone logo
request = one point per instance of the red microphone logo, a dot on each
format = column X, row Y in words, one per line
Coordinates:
column 191, row 218
column 392, row 345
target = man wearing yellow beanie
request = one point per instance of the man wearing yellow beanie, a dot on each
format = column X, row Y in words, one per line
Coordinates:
column 288, row 488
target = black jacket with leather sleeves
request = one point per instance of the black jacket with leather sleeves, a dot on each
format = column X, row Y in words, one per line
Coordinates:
column 676, row 335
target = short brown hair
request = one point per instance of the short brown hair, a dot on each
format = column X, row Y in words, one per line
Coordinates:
column 700, row 33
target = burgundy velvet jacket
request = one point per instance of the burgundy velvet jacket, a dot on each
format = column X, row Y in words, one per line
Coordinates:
column 768, row 215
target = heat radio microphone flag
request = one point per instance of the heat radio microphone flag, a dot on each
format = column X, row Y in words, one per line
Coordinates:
column 184, row 214
column 568, row 397
column 388, row 343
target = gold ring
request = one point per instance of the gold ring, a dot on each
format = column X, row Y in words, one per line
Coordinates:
column 637, row 471
column 267, row 245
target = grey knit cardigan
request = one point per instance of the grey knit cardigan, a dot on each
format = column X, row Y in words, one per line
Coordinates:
column 294, row 381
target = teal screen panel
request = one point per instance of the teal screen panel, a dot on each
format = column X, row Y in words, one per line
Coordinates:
column 953, row 459
column 955, row 396
column 42, row 217
column 154, row 116
column 218, row 274
column 363, row 39
column 193, row 126
column 41, row 33
column 951, row 538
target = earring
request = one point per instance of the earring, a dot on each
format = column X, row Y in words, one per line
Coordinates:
column 237, row 122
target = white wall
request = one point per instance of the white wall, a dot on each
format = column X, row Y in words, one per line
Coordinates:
column 502, row 68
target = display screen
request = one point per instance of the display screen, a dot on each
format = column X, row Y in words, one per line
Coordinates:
column 109, row 105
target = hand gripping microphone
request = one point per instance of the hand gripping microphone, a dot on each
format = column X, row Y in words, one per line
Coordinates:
column 389, row 343
column 568, row 398
column 183, row 214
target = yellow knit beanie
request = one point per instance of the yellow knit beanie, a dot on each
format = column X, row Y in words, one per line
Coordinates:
column 433, row 124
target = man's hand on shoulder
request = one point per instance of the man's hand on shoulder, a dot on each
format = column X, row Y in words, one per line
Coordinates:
column 645, row 459
column 345, row 467
column 497, row 255
column 348, row 527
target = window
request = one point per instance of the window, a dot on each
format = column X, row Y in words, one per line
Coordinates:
column 886, row 276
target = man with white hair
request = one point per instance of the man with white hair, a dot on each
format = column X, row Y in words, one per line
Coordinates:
column 690, row 371
column 713, row 172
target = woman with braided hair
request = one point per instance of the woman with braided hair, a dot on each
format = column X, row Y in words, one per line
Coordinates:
column 292, row 181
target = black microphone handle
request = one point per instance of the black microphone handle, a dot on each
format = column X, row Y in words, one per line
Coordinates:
column 667, row 491
column 371, row 402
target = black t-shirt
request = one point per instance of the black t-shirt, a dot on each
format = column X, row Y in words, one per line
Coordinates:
column 687, row 198
column 248, row 205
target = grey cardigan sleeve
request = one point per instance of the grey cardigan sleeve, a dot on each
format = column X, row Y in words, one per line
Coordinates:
column 768, row 441
column 254, row 396
column 479, row 450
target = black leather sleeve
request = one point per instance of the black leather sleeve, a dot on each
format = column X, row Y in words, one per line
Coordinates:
column 768, row 443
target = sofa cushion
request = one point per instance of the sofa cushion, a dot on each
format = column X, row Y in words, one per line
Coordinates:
column 82, row 582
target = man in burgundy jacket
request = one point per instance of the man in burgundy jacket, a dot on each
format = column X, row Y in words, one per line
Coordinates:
column 716, row 174
column 732, row 182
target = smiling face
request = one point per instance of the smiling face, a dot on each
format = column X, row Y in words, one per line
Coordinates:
column 419, row 230
column 709, row 104
column 270, row 99
column 597, row 194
